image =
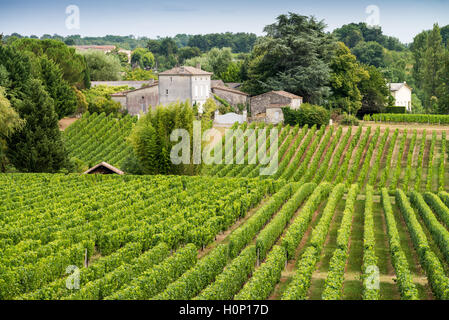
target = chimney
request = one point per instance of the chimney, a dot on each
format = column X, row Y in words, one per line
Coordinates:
column 182, row 68
column 198, row 65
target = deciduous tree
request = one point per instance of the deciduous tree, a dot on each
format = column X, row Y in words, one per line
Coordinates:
column 346, row 75
column 102, row 67
column 294, row 56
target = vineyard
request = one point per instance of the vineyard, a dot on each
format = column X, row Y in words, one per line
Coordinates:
column 380, row 157
column 115, row 228
column 350, row 213
column 408, row 118
column 174, row 237
column 95, row 138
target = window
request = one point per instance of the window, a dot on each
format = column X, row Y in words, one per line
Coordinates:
column 201, row 91
column 196, row 91
column 166, row 91
column 171, row 79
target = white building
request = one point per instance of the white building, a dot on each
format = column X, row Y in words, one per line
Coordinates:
column 184, row 83
column 402, row 94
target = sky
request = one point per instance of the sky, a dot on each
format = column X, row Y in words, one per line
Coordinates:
column 399, row 18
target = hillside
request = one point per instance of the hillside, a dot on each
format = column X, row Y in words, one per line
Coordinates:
column 376, row 155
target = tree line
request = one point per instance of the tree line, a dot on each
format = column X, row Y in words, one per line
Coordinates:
column 238, row 42
column 347, row 71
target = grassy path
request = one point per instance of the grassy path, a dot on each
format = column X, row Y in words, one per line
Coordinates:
column 418, row 273
column 317, row 283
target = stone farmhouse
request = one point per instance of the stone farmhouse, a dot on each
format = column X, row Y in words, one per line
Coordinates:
column 177, row 84
column 268, row 105
column 402, row 94
column 193, row 84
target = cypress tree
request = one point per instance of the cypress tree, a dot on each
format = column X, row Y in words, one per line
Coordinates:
column 443, row 89
column 38, row 146
column 63, row 95
column 432, row 66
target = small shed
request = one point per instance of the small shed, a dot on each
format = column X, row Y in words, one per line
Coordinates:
column 274, row 99
column 104, row 168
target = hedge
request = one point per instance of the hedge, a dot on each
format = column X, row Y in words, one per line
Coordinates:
column 307, row 114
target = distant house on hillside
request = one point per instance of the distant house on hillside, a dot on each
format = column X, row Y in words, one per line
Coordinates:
column 402, row 94
column 269, row 105
column 104, row 48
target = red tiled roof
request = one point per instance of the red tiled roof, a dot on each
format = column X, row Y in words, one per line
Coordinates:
column 185, row 70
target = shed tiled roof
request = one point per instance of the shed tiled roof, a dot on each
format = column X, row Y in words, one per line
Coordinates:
column 287, row 94
column 282, row 93
column 105, row 165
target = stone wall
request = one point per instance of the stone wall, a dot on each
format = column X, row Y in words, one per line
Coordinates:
column 259, row 104
column 279, row 100
column 274, row 115
column 140, row 100
column 121, row 99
